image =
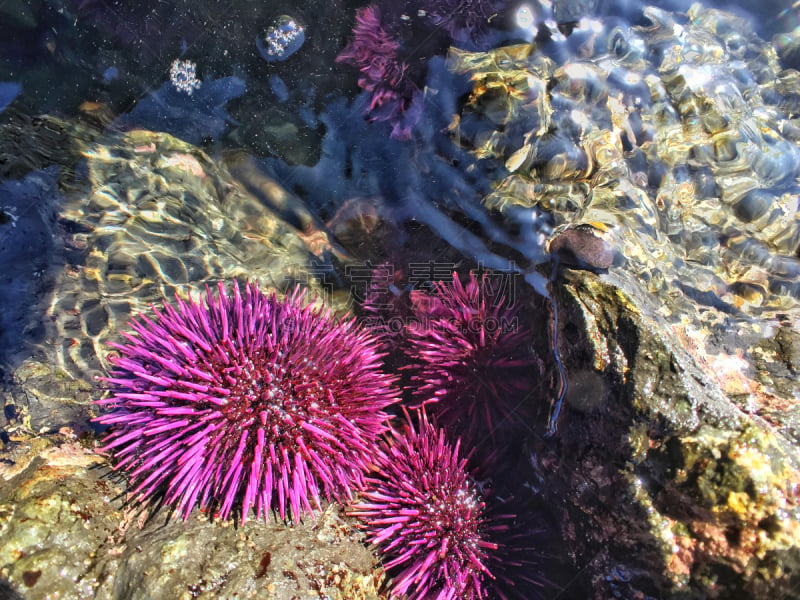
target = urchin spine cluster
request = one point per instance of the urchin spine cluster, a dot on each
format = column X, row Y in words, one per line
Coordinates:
column 246, row 400
column 375, row 52
column 423, row 511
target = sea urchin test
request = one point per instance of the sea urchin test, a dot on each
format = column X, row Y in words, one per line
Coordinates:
column 245, row 401
column 281, row 40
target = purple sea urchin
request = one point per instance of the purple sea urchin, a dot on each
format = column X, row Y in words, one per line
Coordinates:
column 469, row 357
column 375, row 52
column 424, row 513
column 463, row 19
column 246, row 400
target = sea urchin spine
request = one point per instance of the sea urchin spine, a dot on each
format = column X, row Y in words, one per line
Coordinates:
column 246, row 400
column 375, row 52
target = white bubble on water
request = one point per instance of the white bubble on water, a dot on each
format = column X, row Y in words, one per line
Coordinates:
column 525, row 17
column 281, row 40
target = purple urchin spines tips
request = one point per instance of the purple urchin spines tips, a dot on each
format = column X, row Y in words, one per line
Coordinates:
column 423, row 511
column 246, row 400
column 387, row 306
column 470, row 361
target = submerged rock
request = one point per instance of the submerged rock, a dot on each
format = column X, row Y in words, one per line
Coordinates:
column 280, row 40
column 583, row 248
column 145, row 217
column 676, row 138
column 662, row 485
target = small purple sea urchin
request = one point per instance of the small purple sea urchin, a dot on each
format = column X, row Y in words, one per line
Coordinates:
column 424, row 513
column 470, row 362
column 246, row 400
column 463, row 19
column 375, row 52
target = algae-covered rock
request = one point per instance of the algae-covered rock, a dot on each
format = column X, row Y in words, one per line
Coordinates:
column 668, row 488
column 68, row 532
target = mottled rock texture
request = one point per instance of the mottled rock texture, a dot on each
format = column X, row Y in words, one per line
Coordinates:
column 68, row 532
column 666, row 487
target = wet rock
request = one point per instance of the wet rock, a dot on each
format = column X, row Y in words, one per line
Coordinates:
column 667, row 486
column 68, row 532
column 57, row 512
column 581, row 247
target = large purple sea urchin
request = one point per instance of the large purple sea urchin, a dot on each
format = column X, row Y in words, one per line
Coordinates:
column 469, row 355
column 246, row 400
column 424, row 513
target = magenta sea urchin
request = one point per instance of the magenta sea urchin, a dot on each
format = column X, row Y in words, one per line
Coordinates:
column 424, row 513
column 376, row 53
column 247, row 401
column 470, row 360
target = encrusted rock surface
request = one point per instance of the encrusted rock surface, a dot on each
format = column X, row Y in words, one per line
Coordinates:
column 665, row 486
column 68, row 532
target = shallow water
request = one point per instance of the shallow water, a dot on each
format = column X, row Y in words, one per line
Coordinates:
column 671, row 133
